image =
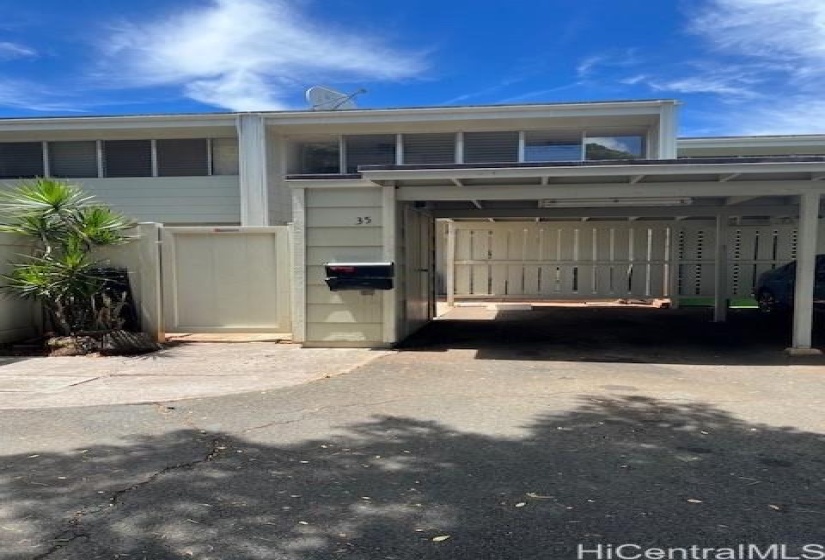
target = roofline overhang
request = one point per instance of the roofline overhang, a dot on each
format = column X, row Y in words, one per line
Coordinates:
column 118, row 122
column 546, row 110
column 305, row 115
column 400, row 173
column 751, row 141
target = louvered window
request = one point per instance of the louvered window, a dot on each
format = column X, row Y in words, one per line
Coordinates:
column 369, row 149
column 127, row 158
column 73, row 159
column 183, row 158
column 21, row 160
column 224, row 156
column 552, row 145
column 429, row 148
column 490, row 147
column 323, row 157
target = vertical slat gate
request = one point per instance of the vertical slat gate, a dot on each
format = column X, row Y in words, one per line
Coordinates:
column 645, row 259
column 561, row 260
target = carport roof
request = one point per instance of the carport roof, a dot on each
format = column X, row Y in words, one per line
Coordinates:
column 710, row 182
column 730, row 168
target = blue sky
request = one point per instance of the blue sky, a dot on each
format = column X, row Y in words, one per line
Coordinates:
column 738, row 66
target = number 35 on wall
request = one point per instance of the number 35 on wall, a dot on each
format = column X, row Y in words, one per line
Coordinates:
column 363, row 220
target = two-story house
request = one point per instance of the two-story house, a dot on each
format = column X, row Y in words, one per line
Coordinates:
column 556, row 201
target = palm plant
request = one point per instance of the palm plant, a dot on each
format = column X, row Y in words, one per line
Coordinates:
column 65, row 225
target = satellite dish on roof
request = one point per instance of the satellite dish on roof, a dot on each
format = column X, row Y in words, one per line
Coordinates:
column 322, row 98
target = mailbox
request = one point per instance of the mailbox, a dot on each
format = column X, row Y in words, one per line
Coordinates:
column 359, row 276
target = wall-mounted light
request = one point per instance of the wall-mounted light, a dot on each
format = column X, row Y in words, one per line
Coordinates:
column 590, row 202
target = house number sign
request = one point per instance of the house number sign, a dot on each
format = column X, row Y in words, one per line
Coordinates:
column 363, row 220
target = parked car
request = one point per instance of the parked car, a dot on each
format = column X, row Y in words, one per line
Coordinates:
column 774, row 290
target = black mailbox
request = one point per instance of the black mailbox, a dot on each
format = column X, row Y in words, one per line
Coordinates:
column 359, row 276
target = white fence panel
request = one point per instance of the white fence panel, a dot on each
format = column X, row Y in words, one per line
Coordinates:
column 226, row 279
column 18, row 319
column 754, row 249
column 561, row 260
column 141, row 260
column 574, row 260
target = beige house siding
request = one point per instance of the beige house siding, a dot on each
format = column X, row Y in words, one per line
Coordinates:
column 170, row 200
column 334, row 234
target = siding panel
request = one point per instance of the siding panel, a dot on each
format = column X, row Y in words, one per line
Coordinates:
column 179, row 200
column 333, row 234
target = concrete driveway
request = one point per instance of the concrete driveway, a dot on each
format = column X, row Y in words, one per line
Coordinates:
column 191, row 370
column 433, row 453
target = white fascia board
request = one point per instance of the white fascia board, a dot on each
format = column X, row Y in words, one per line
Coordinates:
column 593, row 171
column 615, row 212
column 117, row 123
column 752, row 141
column 613, row 190
column 619, row 108
column 330, row 183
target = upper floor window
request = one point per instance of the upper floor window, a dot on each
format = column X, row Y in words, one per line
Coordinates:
column 552, row 146
column 21, row 160
column 73, row 159
column 127, row 158
column 429, row 148
column 491, row 147
column 225, row 156
column 369, row 149
column 614, row 147
column 320, row 157
column 187, row 157
column 331, row 154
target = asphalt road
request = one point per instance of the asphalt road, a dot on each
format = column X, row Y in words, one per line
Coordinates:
column 432, row 454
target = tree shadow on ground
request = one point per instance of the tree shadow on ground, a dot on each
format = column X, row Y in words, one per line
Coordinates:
column 611, row 334
column 623, row 470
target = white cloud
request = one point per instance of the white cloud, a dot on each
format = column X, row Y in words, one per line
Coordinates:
column 787, row 30
column 9, row 50
column 585, row 67
column 23, row 94
column 247, row 54
column 801, row 114
column 721, row 84
column 779, row 45
column 615, row 59
column 539, row 93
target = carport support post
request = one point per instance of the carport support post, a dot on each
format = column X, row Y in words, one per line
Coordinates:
column 390, row 300
column 720, row 281
column 805, row 269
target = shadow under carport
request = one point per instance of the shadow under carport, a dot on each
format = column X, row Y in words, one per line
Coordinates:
column 614, row 334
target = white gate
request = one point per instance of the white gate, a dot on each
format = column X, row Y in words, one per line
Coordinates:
column 576, row 260
column 227, row 279
column 560, row 260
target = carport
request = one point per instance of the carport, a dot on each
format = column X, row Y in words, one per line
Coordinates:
column 722, row 190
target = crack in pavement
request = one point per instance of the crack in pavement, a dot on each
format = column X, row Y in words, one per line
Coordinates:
column 75, row 530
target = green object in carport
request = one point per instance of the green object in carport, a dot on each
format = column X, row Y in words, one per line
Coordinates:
column 735, row 303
